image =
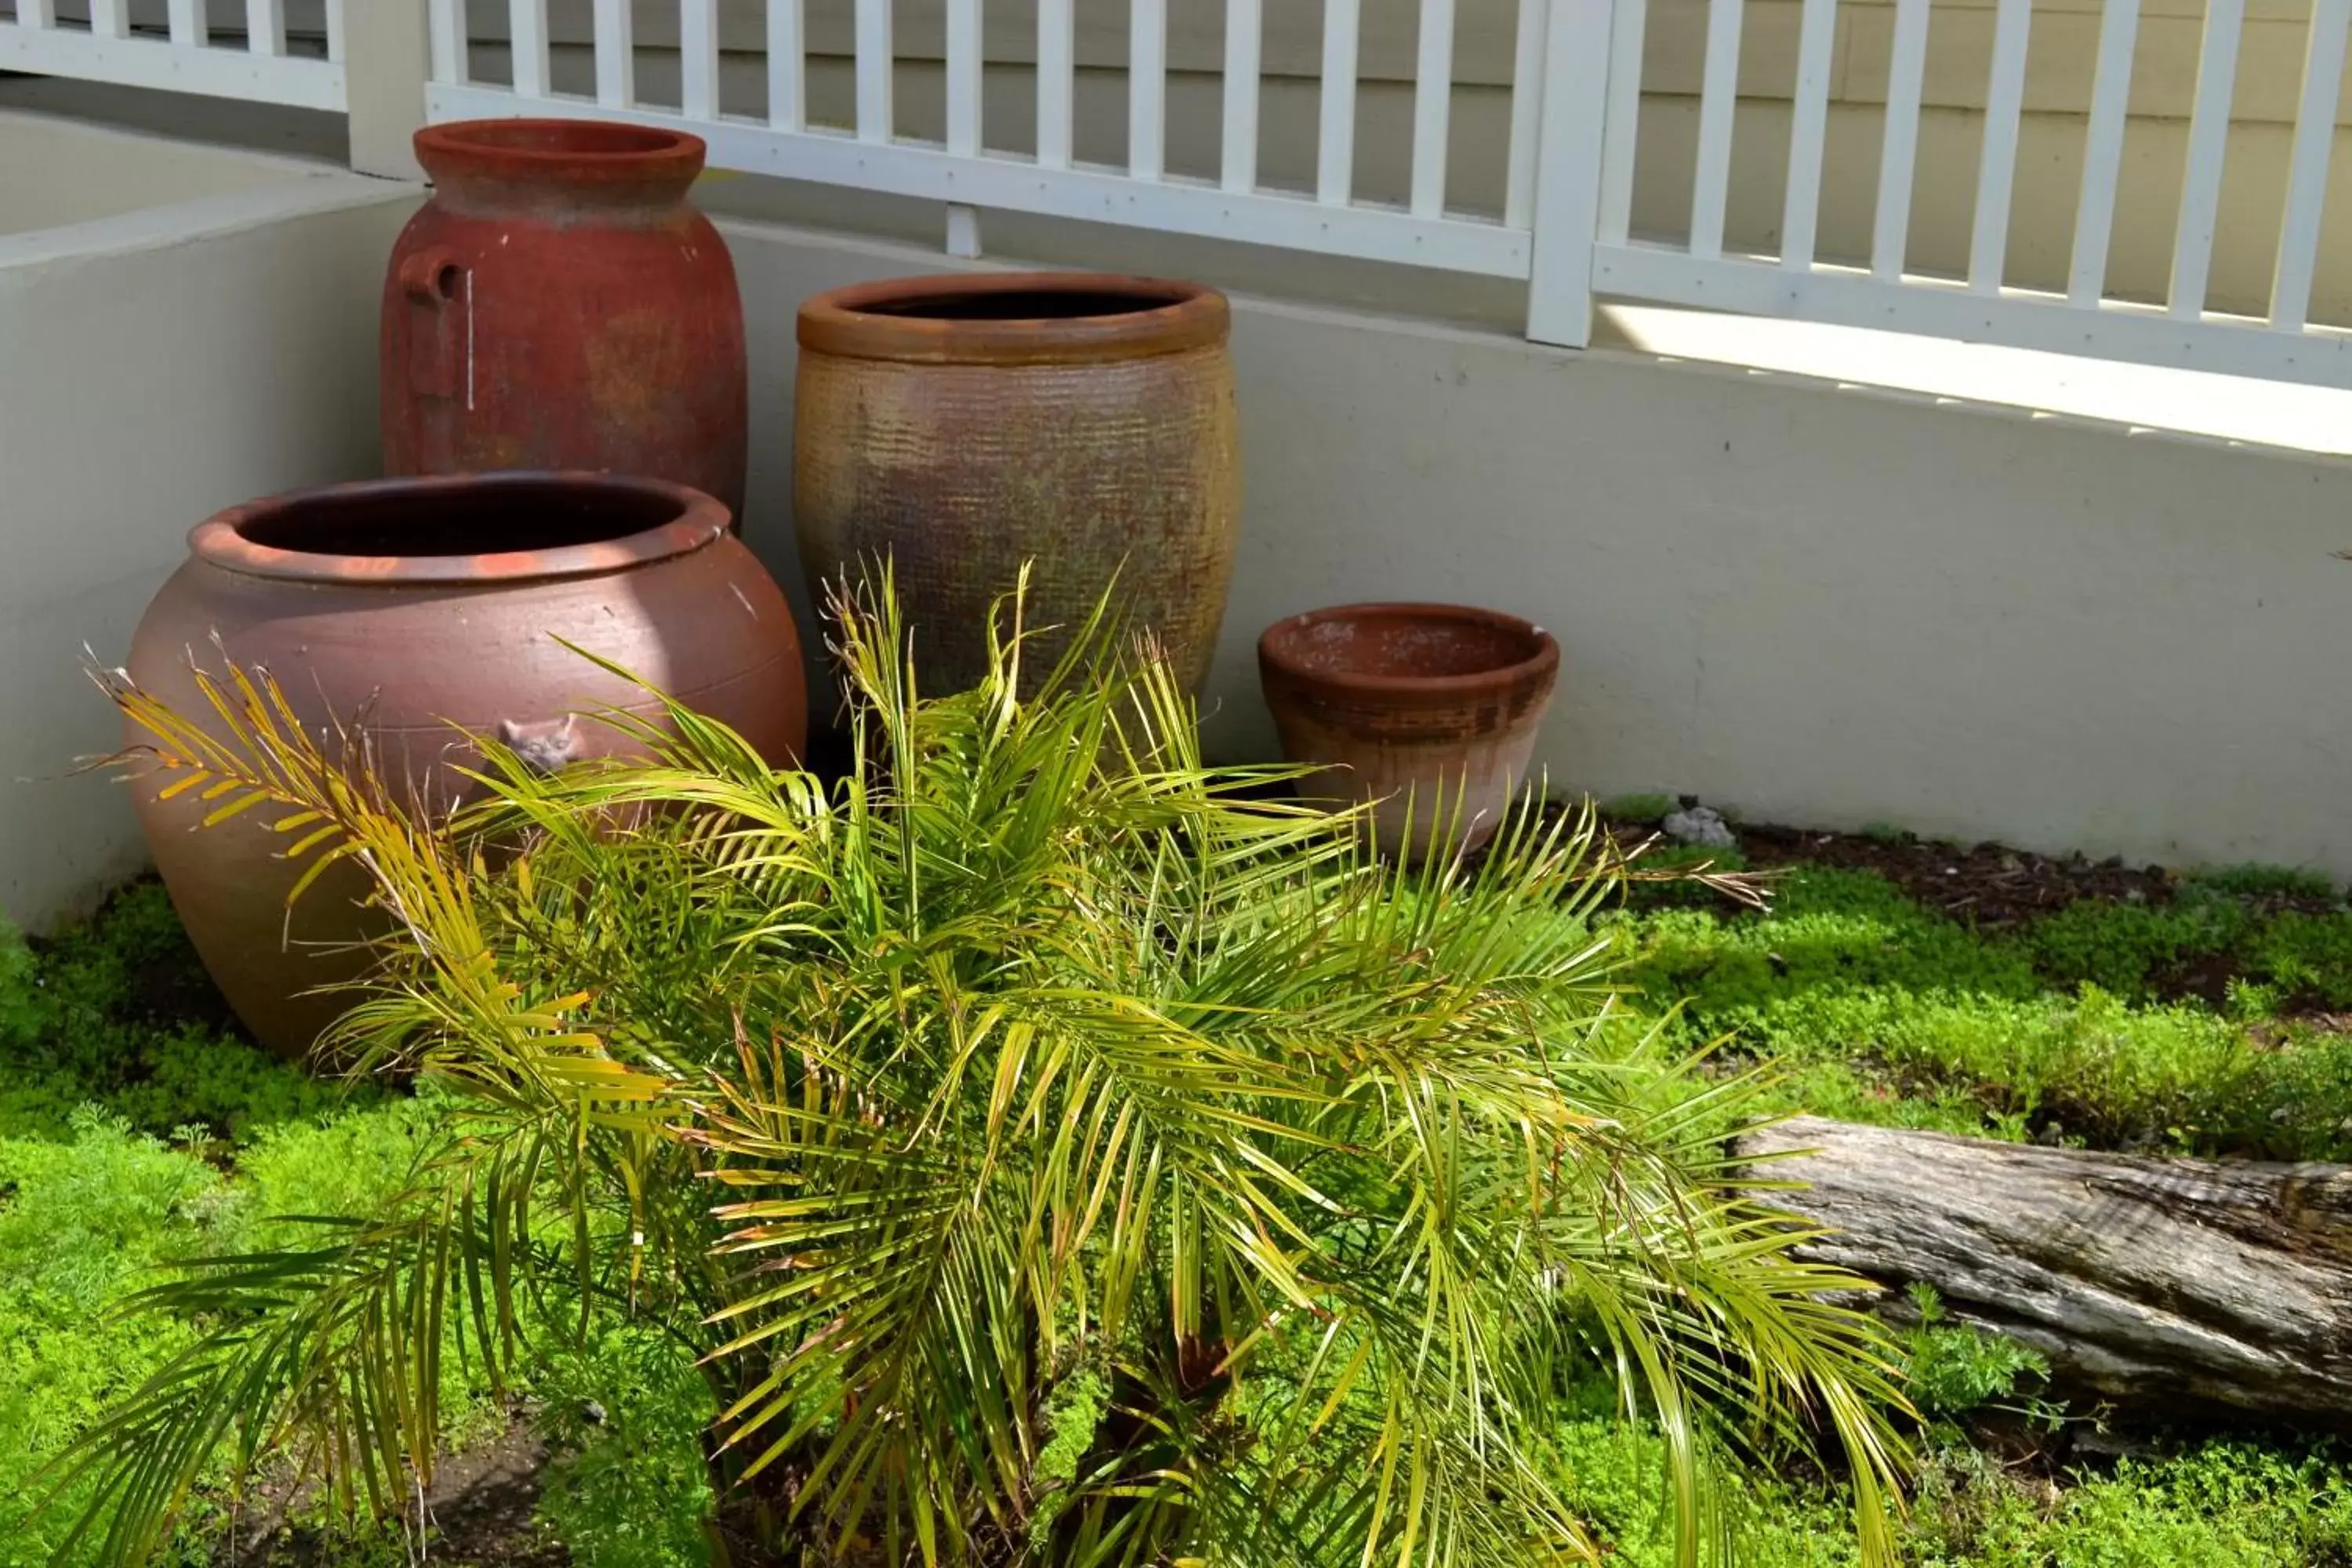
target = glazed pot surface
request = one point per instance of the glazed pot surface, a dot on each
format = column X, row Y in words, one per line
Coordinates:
column 559, row 304
column 1429, row 711
column 962, row 426
column 370, row 607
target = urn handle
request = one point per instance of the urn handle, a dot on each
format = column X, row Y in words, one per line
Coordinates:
column 440, row 318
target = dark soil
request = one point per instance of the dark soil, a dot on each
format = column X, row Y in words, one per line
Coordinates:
column 478, row 1513
column 168, row 986
column 1992, row 888
column 1987, row 886
column 171, row 990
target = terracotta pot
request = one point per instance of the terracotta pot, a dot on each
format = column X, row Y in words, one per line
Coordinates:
column 962, row 426
column 559, row 304
column 411, row 604
column 1430, row 709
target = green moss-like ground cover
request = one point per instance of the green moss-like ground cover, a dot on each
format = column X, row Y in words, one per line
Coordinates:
column 135, row 1127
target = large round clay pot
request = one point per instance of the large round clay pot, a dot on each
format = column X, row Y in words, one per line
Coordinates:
column 559, row 304
column 402, row 608
column 961, row 426
column 1430, row 710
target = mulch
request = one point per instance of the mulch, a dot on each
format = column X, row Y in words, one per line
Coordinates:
column 1994, row 888
column 1988, row 886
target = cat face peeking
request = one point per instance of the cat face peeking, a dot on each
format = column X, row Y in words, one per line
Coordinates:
column 544, row 744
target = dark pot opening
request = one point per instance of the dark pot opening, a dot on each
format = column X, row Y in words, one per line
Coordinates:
column 1013, row 318
column 480, row 526
column 565, row 139
column 1405, row 643
column 548, row 515
column 1023, row 305
column 552, row 165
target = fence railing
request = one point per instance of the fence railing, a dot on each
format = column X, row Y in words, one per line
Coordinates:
column 1565, row 164
column 966, row 169
column 1694, row 267
column 101, row 40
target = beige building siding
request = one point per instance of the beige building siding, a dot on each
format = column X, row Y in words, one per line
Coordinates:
column 2059, row 70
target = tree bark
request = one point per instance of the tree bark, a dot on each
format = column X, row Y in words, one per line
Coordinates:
column 2158, row 1284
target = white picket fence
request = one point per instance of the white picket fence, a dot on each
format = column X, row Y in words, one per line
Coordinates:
column 250, row 58
column 963, row 170
column 1564, row 225
column 1695, row 270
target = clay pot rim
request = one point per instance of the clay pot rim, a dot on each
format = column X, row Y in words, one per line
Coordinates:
column 1171, row 317
column 1537, row 670
column 475, row 150
column 702, row 520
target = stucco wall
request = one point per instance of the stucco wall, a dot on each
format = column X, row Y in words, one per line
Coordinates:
column 1817, row 604
column 154, row 366
column 55, row 172
column 1820, row 604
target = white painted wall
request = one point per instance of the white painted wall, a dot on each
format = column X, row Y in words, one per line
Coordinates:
column 55, row 171
column 1823, row 605
column 155, row 365
column 1819, row 605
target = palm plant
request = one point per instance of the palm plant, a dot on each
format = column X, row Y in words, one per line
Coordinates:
column 1056, row 1150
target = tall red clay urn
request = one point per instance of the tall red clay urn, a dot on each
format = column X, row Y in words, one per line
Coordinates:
column 559, row 304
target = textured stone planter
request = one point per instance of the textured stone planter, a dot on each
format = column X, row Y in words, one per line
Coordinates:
column 962, row 426
column 1430, row 709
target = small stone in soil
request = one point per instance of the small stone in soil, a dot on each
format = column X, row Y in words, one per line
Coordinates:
column 1699, row 824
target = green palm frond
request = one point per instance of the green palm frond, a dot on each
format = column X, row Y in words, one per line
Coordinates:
column 1034, row 1050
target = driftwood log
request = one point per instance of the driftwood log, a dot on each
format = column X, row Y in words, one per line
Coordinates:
column 2162, row 1285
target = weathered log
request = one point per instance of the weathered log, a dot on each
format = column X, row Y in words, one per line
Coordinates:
column 2158, row 1284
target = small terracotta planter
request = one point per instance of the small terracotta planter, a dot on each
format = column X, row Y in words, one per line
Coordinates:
column 1430, row 709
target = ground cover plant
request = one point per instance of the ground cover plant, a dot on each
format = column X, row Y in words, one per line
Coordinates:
column 2203, row 1012
column 92, row 1202
column 136, row 1127
column 1054, row 1150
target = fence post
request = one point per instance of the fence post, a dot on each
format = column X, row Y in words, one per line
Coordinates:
column 387, row 59
column 1567, row 172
